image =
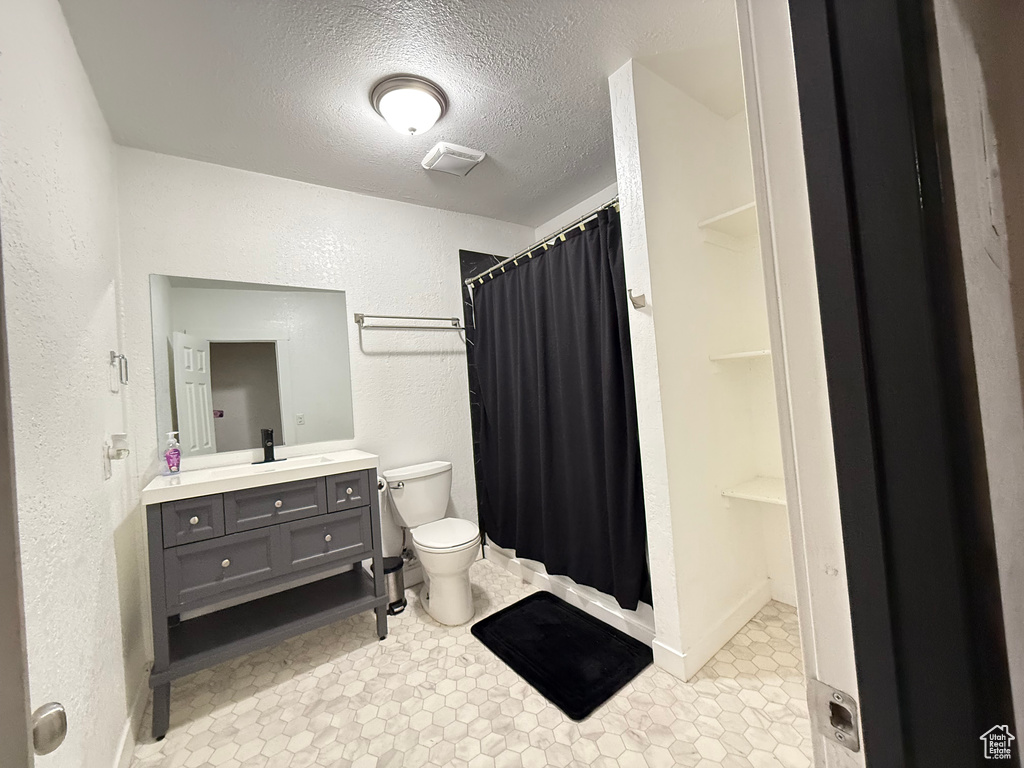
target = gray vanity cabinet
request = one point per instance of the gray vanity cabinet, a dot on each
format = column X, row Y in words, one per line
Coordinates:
column 273, row 504
column 327, row 539
column 349, row 490
column 223, row 564
column 223, row 571
column 192, row 520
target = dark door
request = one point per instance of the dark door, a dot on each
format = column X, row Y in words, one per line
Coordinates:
column 924, row 590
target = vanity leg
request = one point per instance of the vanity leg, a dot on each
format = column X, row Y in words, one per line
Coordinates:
column 382, row 621
column 161, row 710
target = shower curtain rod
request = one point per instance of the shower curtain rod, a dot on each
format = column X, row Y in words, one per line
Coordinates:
column 544, row 243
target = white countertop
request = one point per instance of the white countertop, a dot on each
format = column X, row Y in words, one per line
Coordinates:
column 237, row 477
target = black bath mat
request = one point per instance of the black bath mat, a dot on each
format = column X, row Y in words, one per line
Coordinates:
column 573, row 660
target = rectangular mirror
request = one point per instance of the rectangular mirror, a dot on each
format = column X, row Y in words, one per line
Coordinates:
column 233, row 358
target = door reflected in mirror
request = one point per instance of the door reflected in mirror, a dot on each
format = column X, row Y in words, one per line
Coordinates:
column 232, row 358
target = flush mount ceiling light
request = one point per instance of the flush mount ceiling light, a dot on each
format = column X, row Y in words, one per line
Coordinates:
column 410, row 104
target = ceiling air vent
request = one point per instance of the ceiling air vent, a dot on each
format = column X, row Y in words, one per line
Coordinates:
column 453, row 159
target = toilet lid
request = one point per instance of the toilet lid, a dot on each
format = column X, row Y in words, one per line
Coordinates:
column 448, row 533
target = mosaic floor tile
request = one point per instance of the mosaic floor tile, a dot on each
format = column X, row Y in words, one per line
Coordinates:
column 434, row 696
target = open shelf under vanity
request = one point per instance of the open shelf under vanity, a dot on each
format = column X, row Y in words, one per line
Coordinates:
column 214, row 637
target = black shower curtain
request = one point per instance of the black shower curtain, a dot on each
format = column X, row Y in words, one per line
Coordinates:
column 559, row 459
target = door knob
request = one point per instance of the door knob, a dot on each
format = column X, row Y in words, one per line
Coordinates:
column 193, row 520
column 327, row 538
column 278, row 503
column 49, row 727
column 348, row 491
column 225, row 563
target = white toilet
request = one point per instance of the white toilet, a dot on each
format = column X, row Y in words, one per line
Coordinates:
column 446, row 547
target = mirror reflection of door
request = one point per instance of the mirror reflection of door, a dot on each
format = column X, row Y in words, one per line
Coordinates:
column 246, row 393
column 233, row 358
column 192, row 392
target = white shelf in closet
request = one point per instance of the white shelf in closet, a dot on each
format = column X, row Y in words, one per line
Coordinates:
column 769, row 490
column 731, row 230
column 738, row 222
column 749, row 355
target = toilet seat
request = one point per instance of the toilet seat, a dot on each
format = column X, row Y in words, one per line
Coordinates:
column 446, row 535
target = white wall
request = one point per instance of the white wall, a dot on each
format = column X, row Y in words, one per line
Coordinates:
column 58, row 204
column 315, row 363
column 979, row 50
column 409, row 390
column 705, row 301
column 581, row 208
column 657, row 505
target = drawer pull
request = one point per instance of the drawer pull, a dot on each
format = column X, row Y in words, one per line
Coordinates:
column 225, row 563
column 193, row 520
column 278, row 503
column 327, row 538
column 348, row 491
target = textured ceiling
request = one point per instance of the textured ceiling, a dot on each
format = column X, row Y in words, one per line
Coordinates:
column 280, row 87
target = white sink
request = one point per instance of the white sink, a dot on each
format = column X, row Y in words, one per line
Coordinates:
column 200, row 482
column 246, row 470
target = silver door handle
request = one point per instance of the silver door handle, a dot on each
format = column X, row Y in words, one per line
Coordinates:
column 49, row 727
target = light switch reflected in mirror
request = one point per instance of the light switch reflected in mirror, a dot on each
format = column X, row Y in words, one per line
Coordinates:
column 233, row 358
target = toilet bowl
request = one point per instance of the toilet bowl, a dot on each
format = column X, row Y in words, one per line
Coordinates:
column 446, row 546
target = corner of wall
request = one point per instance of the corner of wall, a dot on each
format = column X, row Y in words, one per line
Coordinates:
column 661, row 549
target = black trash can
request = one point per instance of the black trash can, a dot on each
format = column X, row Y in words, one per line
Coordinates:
column 394, row 584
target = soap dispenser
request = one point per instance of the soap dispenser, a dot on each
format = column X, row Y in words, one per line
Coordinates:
column 172, row 455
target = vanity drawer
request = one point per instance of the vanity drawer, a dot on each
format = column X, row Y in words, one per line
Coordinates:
column 197, row 571
column 272, row 504
column 337, row 537
column 191, row 520
column 350, row 490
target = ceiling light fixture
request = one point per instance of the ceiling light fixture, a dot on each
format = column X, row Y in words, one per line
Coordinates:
column 410, row 104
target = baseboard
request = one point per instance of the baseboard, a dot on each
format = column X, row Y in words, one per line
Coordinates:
column 634, row 624
column 784, row 591
column 669, row 659
column 133, row 724
column 701, row 652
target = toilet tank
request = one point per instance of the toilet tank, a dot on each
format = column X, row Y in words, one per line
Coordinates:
column 419, row 494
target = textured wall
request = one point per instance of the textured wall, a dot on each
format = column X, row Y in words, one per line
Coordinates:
column 409, row 390
column 60, row 260
column 660, row 543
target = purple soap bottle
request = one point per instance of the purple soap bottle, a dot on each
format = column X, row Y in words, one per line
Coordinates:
column 172, row 455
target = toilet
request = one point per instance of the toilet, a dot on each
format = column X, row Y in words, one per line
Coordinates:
column 446, row 546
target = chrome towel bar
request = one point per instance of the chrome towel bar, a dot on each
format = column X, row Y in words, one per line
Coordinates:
column 453, row 323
